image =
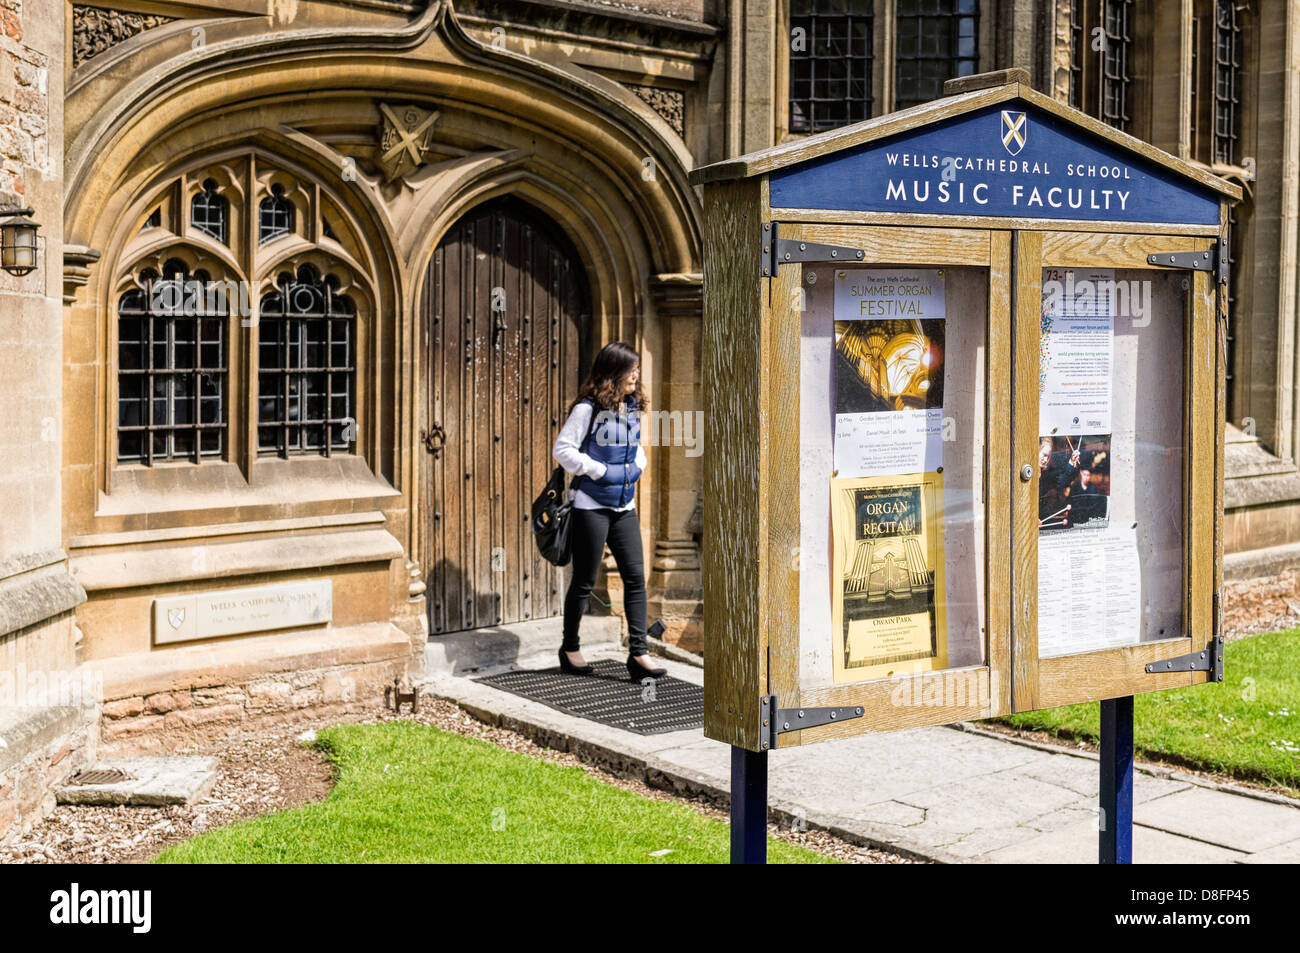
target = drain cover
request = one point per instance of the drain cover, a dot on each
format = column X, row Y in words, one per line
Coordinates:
column 608, row 696
column 100, row 776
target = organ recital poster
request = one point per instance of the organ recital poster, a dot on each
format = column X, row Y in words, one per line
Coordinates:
column 887, row 576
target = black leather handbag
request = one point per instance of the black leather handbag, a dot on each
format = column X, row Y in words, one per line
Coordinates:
column 551, row 511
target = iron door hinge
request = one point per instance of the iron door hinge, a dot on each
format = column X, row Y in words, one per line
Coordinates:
column 782, row 251
column 1208, row 659
column 1211, row 260
column 777, row 721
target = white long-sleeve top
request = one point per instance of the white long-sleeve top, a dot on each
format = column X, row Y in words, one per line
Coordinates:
column 568, row 454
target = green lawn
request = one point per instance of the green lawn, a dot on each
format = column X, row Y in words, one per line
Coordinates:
column 408, row 793
column 1246, row 727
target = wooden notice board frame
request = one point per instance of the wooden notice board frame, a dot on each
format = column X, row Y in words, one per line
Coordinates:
column 755, row 252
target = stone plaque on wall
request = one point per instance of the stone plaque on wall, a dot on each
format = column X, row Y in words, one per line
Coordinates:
column 205, row 615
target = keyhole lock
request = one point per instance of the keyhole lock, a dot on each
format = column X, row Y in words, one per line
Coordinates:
column 1026, row 473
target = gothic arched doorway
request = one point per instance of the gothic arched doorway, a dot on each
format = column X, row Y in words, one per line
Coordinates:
column 506, row 320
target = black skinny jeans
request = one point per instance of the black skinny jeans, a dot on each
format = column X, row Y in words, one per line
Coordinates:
column 591, row 530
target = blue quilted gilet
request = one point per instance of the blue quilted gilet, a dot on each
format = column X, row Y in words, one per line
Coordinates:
column 614, row 441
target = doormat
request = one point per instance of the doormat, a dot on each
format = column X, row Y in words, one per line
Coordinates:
column 609, row 697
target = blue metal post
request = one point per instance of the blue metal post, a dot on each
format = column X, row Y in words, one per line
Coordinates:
column 748, row 806
column 1116, row 820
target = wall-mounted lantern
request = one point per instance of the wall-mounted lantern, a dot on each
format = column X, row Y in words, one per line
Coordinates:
column 17, row 240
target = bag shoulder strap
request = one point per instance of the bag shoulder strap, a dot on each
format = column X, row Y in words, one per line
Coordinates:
column 591, row 426
column 586, row 441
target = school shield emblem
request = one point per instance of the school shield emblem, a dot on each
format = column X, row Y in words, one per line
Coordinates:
column 1014, row 131
column 176, row 617
column 405, row 138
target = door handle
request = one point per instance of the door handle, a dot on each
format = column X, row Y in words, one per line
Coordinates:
column 434, row 439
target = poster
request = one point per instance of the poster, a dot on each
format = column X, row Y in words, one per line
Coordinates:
column 887, row 576
column 1076, row 351
column 889, row 342
column 1089, row 575
column 1089, row 591
column 1076, row 358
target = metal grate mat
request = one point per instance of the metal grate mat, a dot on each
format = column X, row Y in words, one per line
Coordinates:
column 609, row 697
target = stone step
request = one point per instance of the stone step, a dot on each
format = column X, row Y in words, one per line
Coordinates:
column 531, row 644
column 676, row 608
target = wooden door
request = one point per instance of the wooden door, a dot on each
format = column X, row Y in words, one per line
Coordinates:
column 506, row 328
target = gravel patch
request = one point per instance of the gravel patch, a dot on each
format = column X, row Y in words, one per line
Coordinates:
column 1269, row 604
column 257, row 773
column 274, row 769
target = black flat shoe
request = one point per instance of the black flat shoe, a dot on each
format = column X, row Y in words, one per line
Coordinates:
column 570, row 668
column 639, row 671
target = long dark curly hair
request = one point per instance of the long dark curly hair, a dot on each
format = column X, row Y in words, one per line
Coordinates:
column 604, row 385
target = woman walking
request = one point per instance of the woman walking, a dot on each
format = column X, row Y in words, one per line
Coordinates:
column 600, row 443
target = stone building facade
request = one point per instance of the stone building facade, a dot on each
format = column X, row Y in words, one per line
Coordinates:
column 46, row 728
column 319, row 278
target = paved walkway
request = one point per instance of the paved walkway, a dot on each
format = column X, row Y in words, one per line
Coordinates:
column 948, row 794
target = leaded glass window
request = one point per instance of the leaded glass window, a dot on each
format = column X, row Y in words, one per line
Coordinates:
column 1216, row 135
column 307, row 372
column 1115, row 56
column 171, row 352
column 186, row 309
column 1077, row 48
column 275, row 216
column 1227, row 77
column 210, row 212
column 830, row 63
column 937, row 41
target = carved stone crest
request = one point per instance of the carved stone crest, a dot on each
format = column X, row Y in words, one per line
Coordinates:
column 405, row 136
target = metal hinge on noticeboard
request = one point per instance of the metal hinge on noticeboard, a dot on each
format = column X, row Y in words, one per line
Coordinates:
column 1208, row 659
column 777, row 721
column 1211, row 260
column 781, row 251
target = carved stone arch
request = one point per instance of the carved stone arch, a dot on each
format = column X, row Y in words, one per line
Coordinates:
column 291, row 189
column 352, row 281
column 226, row 177
column 153, row 109
column 119, row 232
column 208, row 256
column 243, row 62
